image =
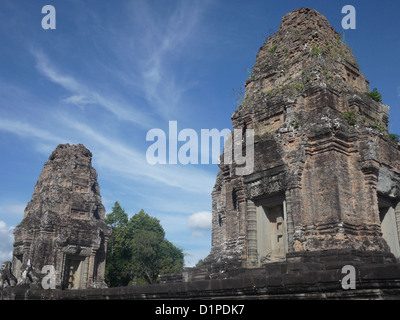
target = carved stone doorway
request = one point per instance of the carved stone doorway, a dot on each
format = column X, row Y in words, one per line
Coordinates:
column 74, row 272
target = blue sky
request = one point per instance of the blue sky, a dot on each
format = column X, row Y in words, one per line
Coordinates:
column 113, row 70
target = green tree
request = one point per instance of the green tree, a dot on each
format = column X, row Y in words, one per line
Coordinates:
column 143, row 222
column 118, row 248
column 117, row 217
column 171, row 258
column 152, row 254
column 138, row 251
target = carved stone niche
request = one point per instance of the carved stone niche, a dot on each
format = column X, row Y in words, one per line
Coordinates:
column 389, row 216
column 80, row 189
column 269, row 240
column 75, row 266
column 81, row 185
column 17, row 261
column 79, row 213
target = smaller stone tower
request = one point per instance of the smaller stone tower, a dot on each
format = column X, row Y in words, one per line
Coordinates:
column 63, row 224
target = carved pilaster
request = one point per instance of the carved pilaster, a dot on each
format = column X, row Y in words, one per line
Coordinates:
column 288, row 209
column 370, row 168
column 252, row 256
column 397, row 217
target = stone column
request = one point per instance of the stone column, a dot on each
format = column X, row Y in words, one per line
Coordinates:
column 101, row 267
column 370, row 168
column 397, row 218
column 252, row 256
column 288, row 207
column 91, row 265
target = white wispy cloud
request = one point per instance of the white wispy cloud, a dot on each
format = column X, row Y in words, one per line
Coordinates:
column 150, row 52
column 131, row 163
column 167, row 40
column 26, row 130
column 6, row 242
column 112, row 154
column 44, row 66
column 78, row 100
column 43, row 140
column 82, row 94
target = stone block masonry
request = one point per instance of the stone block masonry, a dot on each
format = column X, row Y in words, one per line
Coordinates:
column 316, row 275
column 324, row 192
column 63, row 224
column 326, row 173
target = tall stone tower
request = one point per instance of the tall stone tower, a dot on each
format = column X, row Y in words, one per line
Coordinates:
column 326, row 172
column 63, row 224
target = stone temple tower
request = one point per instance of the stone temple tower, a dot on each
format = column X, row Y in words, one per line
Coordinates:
column 326, row 173
column 63, row 224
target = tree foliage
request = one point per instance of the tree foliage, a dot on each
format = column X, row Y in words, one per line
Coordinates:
column 374, row 94
column 118, row 248
column 394, row 137
column 137, row 251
